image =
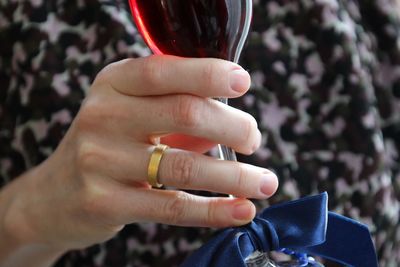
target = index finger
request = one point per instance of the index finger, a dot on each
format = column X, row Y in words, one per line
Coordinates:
column 162, row 75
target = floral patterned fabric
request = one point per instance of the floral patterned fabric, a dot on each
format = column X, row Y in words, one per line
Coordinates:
column 326, row 93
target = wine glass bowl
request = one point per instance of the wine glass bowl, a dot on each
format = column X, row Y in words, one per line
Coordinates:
column 194, row 28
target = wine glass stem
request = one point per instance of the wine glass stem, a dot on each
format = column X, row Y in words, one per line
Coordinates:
column 226, row 153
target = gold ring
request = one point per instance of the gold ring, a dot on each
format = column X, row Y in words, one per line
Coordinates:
column 154, row 164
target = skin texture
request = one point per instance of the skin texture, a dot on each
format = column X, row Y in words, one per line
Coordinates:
column 95, row 182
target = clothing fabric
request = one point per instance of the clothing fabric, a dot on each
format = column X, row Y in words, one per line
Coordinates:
column 325, row 90
column 303, row 227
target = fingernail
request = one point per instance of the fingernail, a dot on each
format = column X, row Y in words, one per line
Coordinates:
column 242, row 212
column 269, row 184
column 239, row 80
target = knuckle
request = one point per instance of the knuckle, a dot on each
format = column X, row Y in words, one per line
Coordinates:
column 89, row 157
column 211, row 218
column 95, row 199
column 95, row 206
column 175, row 208
column 184, row 169
column 104, row 74
column 186, row 112
column 152, row 70
column 210, row 74
column 250, row 128
column 101, row 111
column 241, row 178
column 89, row 114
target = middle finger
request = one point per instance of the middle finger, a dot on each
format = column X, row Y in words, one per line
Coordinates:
column 194, row 116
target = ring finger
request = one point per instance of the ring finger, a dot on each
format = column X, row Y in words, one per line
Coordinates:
column 193, row 116
column 189, row 170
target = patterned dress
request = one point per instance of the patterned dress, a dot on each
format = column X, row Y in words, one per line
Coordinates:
column 326, row 93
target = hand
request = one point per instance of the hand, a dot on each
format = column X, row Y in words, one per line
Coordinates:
column 96, row 180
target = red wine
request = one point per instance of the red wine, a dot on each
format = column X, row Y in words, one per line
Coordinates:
column 194, row 28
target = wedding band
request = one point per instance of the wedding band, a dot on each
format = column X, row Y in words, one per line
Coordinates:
column 154, row 164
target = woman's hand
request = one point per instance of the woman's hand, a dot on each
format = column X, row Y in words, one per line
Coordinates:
column 96, row 181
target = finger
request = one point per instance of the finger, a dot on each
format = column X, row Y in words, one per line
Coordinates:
column 161, row 75
column 199, row 117
column 143, row 118
column 185, row 170
column 183, row 209
column 188, row 170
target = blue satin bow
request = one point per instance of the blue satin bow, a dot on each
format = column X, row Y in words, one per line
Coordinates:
column 304, row 226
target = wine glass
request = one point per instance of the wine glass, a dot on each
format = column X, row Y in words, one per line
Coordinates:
column 261, row 259
column 195, row 28
column 198, row 28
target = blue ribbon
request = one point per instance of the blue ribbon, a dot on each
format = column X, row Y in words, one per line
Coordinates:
column 304, row 226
